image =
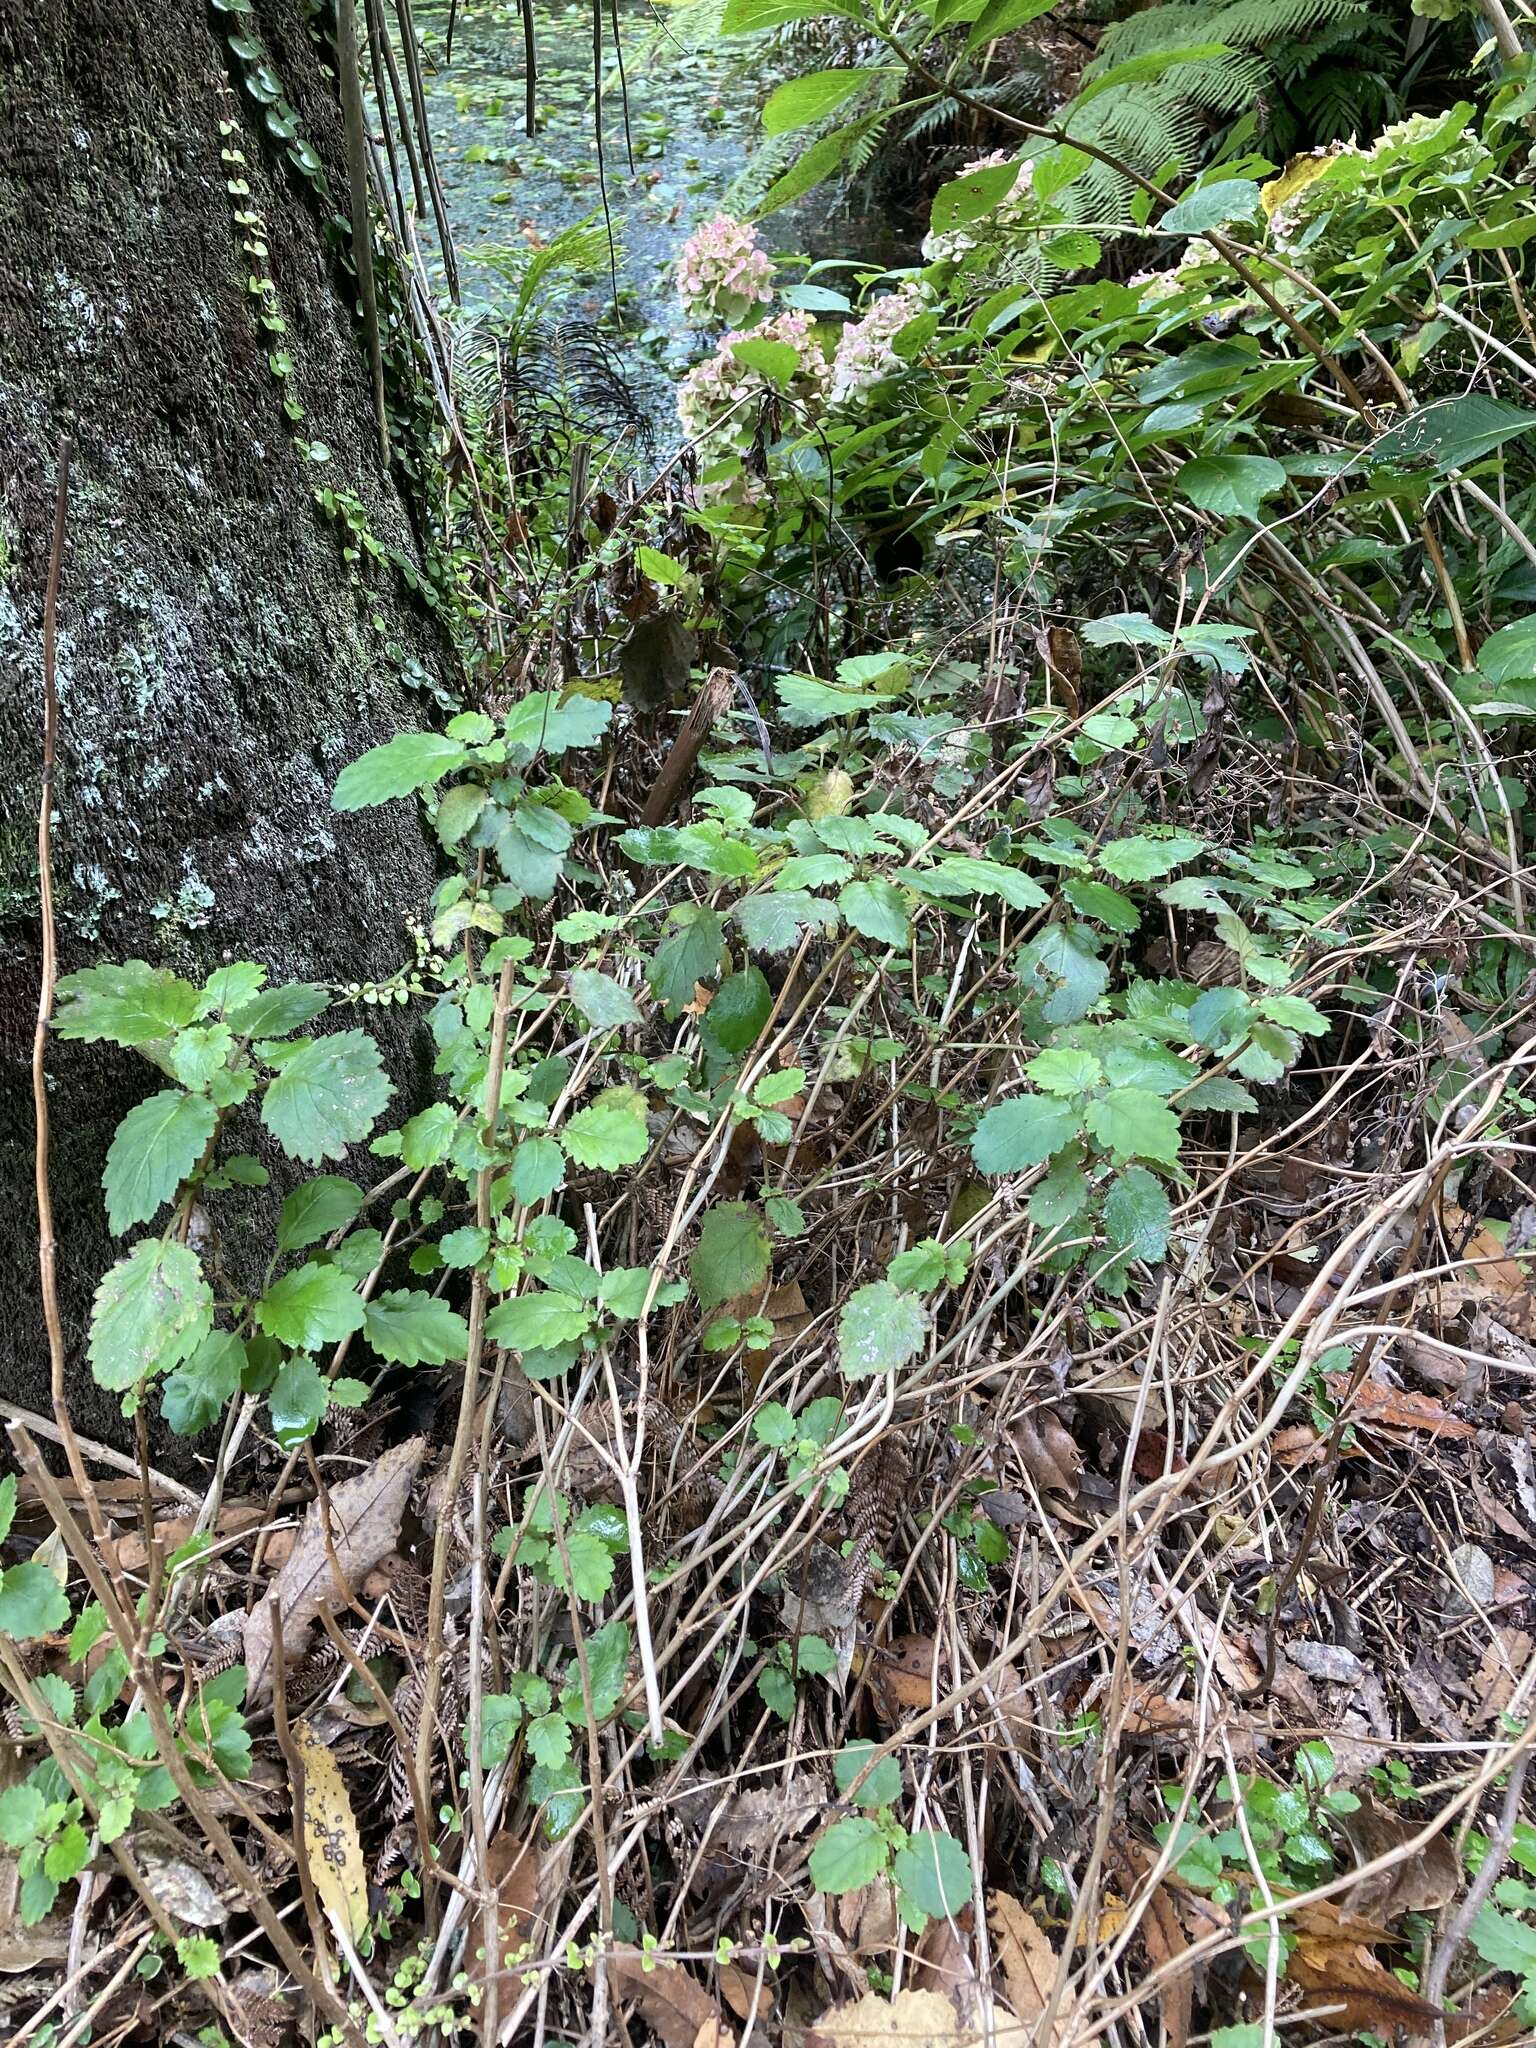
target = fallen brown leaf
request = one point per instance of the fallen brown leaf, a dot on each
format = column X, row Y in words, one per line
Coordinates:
column 1162, row 1936
column 1047, row 1452
column 1421, row 1881
column 365, row 1515
column 742, row 1992
column 331, row 1846
column 673, row 2004
column 901, row 1676
column 914, row 2019
column 1334, row 1962
column 1030, row 1966
column 513, row 1868
column 1379, row 1407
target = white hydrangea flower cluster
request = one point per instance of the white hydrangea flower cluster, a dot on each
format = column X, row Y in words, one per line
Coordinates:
column 953, row 243
column 865, row 351
column 722, row 273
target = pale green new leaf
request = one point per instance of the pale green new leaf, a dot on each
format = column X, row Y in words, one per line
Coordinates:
column 312, row 1306
column 879, row 1330
column 610, row 1132
column 406, row 763
column 1133, row 1123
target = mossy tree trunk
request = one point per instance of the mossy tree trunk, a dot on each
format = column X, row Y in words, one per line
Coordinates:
column 219, row 661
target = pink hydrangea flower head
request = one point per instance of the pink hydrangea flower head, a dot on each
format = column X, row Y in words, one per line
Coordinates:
column 865, row 349
column 716, row 400
column 722, row 274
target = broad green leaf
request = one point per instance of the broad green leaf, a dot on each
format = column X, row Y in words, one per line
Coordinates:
column 130, row 1004
column 1212, row 205
column 21, row 1815
column 1136, row 1215
column 541, row 723
column 610, row 1132
column 1234, row 486
column 773, row 1424
column 408, row 1327
column 537, row 1170
column 603, row 1001
column 933, row 1875
column 879, row 1330
column 623, row 1289
column 7, row 1504
column 883, row 1785
column 157, row 1145
column 426, row 1139
column 1145, row 859
column 965, row 875
column 312, row 1306
column 1098, row 902
column 972, row 196
column 1063, row 966
column 800, row 101
column 32, row 1603
column 297, row 1401
column 1270, row 1051
column 591, row 1564
column 774, row 361
column 195, row 1396
column 538, row 1322
column 851, row 1854
column 1509, row 655
column 1452, row 432
column 690, row 953
column 773, row 922
column 407, row 762
column 459, row 809
column 326, row 1097
column 317, row 1209
column 1132, row 1123
column 1064, row 1070
column 463, row 1247
column 878, row 910
column 1296, row 1013
column 198, row 1052
column 733, row 1253
column 1022, row 1133
column 806, row 700
column 748, row 17
column 607, row 1664
column 1002, row 17
column 151, row 1311
column 549, row 1739
column 736, row 1014
column 277, row 1011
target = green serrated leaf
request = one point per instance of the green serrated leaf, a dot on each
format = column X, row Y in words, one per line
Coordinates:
column 326, row 1097
column 610, row 1132
column 312, row 1306
column 32, row 1604
column 130, row 1004
column 733, row 1253
column 402, row 765
column 151, row 1311
column 157, row 1145
column 317, row 1209
column 1022, row 1133
column 851, row 1854
column 408, row 1327
column 879, row 1330
column 538, row 1322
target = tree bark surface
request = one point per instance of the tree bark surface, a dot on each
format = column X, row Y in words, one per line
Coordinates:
column 218, row 661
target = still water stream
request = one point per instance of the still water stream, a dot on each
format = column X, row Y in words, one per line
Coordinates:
column 692, row 123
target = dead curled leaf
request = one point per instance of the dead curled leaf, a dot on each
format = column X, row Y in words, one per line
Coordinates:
column 1419, row 1881
column 1047, row 1452
column 331, row 1846
column 365, row 1516
column 1162, row 1936
column 1335, row 1963
column 674, row 2005
column 513, row 1868
column 1381, row 1407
